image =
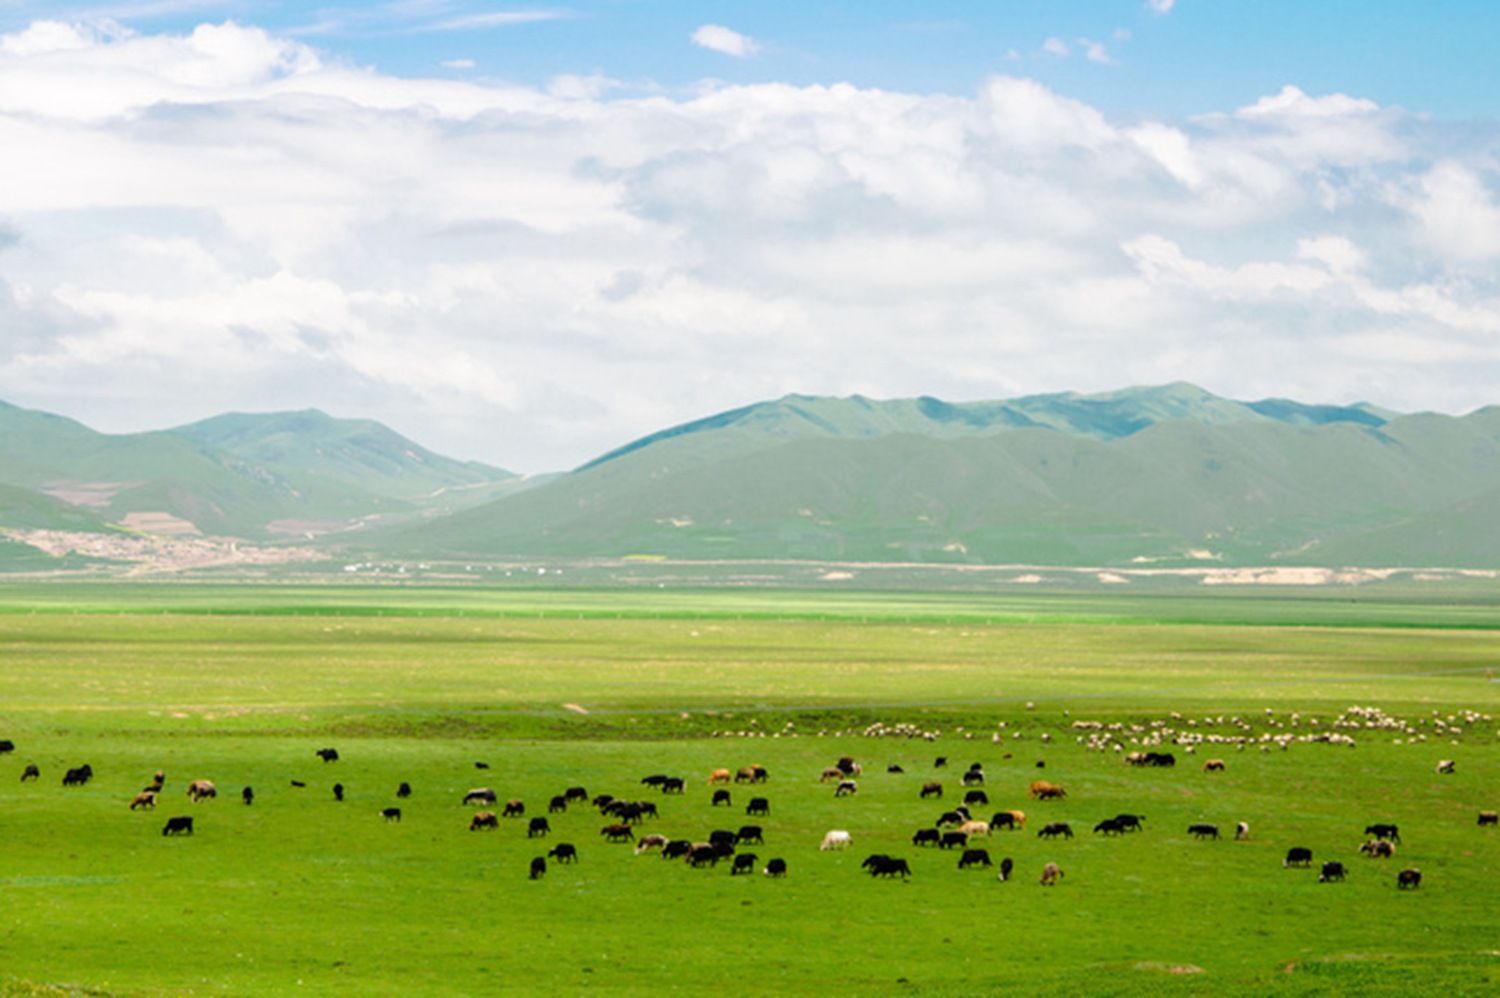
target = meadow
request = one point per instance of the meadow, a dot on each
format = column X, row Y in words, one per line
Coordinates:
column 301, row 892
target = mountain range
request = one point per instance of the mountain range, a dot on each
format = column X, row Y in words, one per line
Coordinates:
column 1169, row 475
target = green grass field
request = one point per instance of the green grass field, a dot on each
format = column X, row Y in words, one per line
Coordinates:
column 303, row 893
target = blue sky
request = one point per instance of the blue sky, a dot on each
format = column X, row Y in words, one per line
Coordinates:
column 529, row 233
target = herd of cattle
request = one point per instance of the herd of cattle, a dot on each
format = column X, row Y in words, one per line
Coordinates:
column 956, row 828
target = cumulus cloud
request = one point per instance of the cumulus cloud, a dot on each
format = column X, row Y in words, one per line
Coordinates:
column 229, row 219
column 717, row 38
column 1161, row 6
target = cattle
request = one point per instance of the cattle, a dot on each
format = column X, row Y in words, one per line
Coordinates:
column 758, row 805
column 1053, row 829
column 146, row 799
column 78, row 777
column 538, row 867
column 752, row 774
column 1151, row 759
column 484, row 819
column 775, row 868
column 1445, row 767
column 676, row 849
column 749, row 833
column 974, row 829
column 178, row 826
column 513, row 809
column 952, row 840
column 723, row 840
column 328, row 754
column 575, row 793
column 673, row 785
column 720, row 797
column 31, row 772
column 837, row 839
column 940, row 762
column 847, row 766
column 845, row 788
column 563, row 852
column 974, row 857
column 972, row 778
column 881, row 865
column 649, row 842
column 247, row 794
column 831, row 773
column 338, row 791
column 955, row 817
column 1409, row 879
column 603, row 801
column 1242, row 831
column 977, row 797
column 1203, row 831
column 654, row 780
column 1109, row 826
column 1130, row 822
column 1051, row 874
column 893, row 768
column 537, row 828
column 1008, row 819
column 932, row 788
column 481, row 765
column 298, row 783
column 1213, row 766
column 618, row 833
column 1384, row 831
column 158, row 780
column 557, row 804
column 6, row 745
column 743, row 863
column 719, row 776
column 1006, row 865
column 1378, row 849
column 480, row 795
column 201, row 790
column 702, row 852
column 1485, row 817
column 925, row 837
column 1298, row 856
column 1332, row 870
column 391, row 813
column 1042, row 790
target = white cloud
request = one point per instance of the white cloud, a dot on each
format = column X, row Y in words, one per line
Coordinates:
column 1056, row 46
column 1161, row 6
column 228, row 219
column 717, row 38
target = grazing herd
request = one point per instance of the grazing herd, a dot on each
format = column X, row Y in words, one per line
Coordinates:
column 955, row 829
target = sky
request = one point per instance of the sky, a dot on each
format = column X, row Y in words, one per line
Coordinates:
column 529, row 233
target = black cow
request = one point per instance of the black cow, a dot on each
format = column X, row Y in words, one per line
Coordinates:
column 720, row 797
column 654, row 780
column 603, row 801
column 78, row 777
column 932, row 788
column 952, row 839
column 6, row 745
column 178, row 826
column 951, row 818
column 775, row 868
column 328, row 754
column 758, row 805
column 940, row 762
column 391, row 813
column 538, row 867
column 481, row 765
column 1485, row 817
column 1110, row 826
column 564, row 852
column 1409, row 879
column 513, row 809
column 1390, row 832
column 1130, row 822
column 1006, row 865
column 743, row 863
column 925, row 837
column 893, row 768
column 575, row 793
column 557, row 804
column 1298, row 856
column 1332, row 870
column 1003, row 819
column 248, row 795
column 1203, row 831
column 483, row 795
column 676, row 849
column 723, row 839
column 974, row 857
column 881, row 865
column 973, row 778
column 702, row 852
column 31, row 772
column 1053, row 829
column 976, row 797
column 673, row 785
column 537, row 827
column 749, row 833
column 338, row 791
column 845, row 788
column 403, row 791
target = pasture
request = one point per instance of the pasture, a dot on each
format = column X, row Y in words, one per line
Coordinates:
column 301, row 892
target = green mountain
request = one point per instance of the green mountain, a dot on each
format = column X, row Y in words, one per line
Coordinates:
column 1168, row 475
column 257, row 477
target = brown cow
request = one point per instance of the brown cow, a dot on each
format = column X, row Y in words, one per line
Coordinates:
column 484, row 819
column 1042, row 790
column 1051, row 874
column 1214, row 766
column 146, row 799
column 720, row 776
column 201, row 790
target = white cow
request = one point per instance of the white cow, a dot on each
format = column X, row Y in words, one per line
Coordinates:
column 836, row 840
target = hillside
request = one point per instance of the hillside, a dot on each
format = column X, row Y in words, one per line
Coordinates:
column 1165, row 476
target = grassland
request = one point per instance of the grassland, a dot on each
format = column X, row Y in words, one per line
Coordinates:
column 303, row 893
